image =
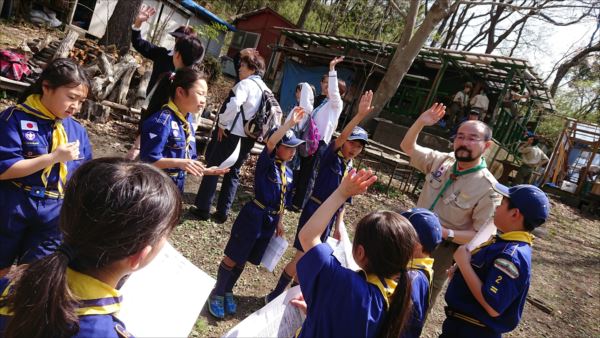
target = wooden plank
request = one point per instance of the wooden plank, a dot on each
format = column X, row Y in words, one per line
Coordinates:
column 17, row 86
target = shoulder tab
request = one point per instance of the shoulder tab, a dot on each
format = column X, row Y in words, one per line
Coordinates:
column 163, row 117
column 489, row 177
column 122, row 332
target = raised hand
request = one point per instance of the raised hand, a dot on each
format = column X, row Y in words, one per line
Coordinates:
column 334, row 62
column 364, row 106
column 432, row 115
column 356, row 182
column 297, row 115
column 144, row 14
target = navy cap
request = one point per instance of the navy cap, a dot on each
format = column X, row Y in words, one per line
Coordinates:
column 290, row 139
column 182, row 31
column 531, row 201
column 359, row 134
column 427, row 225
column 473, row 112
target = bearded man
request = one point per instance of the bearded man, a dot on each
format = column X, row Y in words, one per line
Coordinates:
column 458, row 187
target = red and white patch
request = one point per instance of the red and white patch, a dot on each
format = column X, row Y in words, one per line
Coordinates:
column 30, row 136
column 29, row 125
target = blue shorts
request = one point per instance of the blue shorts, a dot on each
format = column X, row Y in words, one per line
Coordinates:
column 28, row 226
column 250, row 234
column 309, row 209
column 178, row 178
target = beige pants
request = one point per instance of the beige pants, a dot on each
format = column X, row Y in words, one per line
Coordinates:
column 443, row 259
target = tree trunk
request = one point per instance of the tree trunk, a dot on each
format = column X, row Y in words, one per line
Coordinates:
column 140, row 95
column 119, row 25
column 124, row 85
column 66, row 45
column 304, row 14
column 403, row 57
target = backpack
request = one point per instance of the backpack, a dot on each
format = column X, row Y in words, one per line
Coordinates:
column 267, row 117
column 310, row 135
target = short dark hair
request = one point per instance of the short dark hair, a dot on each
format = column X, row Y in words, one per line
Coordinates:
column 58, row 73
column 254, row 62
column 191, row 50
column 527, row 224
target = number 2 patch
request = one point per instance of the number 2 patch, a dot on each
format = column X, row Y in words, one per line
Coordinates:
column 507, row 267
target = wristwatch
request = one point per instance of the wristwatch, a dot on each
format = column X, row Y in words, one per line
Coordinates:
column 450, row 237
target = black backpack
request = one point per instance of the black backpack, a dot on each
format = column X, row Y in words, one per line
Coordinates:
column 267, row 117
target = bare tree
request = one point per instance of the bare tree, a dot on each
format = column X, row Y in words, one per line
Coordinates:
column 564, row 67
column 408, row 47
column 119, row 25
column 304, row 14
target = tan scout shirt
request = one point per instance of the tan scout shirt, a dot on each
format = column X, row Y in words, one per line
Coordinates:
column 468, row 203
column 532, row 155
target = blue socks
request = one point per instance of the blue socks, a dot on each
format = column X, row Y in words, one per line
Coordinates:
column 224, row 275
column 236, row 273
column 283, row 282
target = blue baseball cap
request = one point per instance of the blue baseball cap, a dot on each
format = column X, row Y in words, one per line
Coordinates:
column 290, row 139
column 359, row 134
column 531, row 201
column 427, row 226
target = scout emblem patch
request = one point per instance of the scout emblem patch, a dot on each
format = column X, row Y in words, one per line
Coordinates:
column 507, row 267
column 442, row 169
column 30, row 136
column 29, row 125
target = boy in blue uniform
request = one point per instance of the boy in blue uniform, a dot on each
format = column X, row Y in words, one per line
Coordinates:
column 168, row 140
column 486, row 295
column 334, row 164
column 420, row 269
column 259, row 218
column 40, row 147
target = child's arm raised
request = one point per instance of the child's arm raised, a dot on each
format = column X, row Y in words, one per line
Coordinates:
column 364, row 108
column 297, row 115
column 354, row 183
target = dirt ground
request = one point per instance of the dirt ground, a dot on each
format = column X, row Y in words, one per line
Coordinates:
column 566, row 260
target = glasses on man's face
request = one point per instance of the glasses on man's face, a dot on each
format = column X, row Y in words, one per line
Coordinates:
column 469, row 139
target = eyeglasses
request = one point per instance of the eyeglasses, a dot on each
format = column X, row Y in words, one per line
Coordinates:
column 470, row 139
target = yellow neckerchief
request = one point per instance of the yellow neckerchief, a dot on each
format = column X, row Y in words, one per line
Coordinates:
column 95, row 297
column 283, row 183
column 512, row 236
column 187, row 129
column 423, row 264
column 33, row 106
column 386, row 290
column 347, row 164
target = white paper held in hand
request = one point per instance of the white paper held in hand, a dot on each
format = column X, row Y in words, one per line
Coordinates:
column 275, row 250
column 484, row 234
column 232, row 158
column 164, row 298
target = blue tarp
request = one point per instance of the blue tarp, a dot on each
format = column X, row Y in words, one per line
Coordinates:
column 203, row 12
column 294, row 73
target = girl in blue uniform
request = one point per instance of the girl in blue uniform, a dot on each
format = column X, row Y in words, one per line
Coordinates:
column 168, row 140
column 117, row 215
column 335, row 162
column 40, row 147
column 259, row 218
column 373, row 302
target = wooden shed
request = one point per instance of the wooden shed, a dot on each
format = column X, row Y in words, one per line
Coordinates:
column 257, row 29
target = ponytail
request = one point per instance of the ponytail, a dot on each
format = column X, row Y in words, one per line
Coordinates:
column 400, row 309
column 41, row 303
column 168, row 84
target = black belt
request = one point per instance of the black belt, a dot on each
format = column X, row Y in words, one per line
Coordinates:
column 461, row 316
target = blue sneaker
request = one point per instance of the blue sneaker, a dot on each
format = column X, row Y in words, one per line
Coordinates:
column 216, row 306
column 230, row 304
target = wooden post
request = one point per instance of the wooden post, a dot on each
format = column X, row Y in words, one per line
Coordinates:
column 140, row 95
column 66, row 44
column 124, row 85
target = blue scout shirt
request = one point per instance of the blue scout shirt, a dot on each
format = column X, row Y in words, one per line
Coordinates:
column 341, row 302
column 332, row 169
column 163, row 136
column 420, row 271
column 24, row 136
column 270, row 180
column 504, row 266
column 98, row 304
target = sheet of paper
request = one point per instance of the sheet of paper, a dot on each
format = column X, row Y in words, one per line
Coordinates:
column 486, row 231
column 279, row 318
column 232, row 158
column 275, row 250
column 342, row 249
column 165, row 298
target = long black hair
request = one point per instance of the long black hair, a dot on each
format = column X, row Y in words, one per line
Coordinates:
column 58, row 73
column 113, row 208
column 388, row 240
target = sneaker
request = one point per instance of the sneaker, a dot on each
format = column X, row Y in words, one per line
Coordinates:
column 216, row 306
column 230, row 304
column 199, row 214
column 219, row 218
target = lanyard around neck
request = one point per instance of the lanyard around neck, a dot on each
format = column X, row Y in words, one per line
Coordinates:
column 453, row 176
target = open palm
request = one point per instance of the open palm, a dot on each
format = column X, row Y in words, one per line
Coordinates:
column 432, row 115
